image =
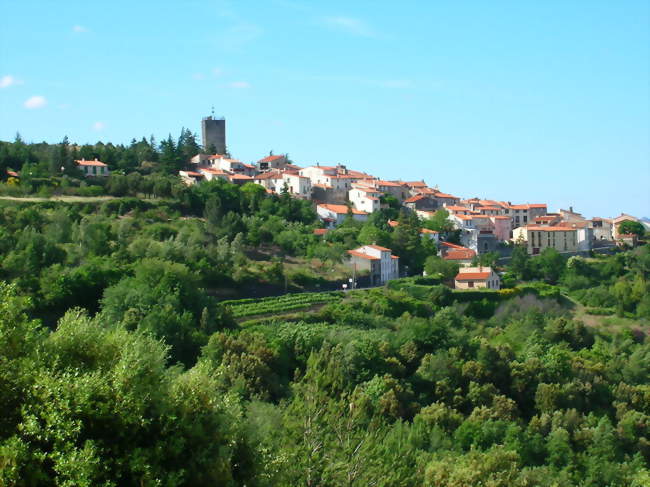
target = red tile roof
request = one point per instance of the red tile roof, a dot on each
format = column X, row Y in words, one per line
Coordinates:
column 271, row 158
column 472, row 276
column 84, row 162
column 362, row 255
column 342, row 209
column 458, row 254
column 426, row 230
column 320, row 231
column 415, row 198
column 13, row 174
column 453, row 246
column 192, row 173
column 240, row 177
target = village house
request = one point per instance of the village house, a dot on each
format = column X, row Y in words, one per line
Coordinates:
column 398, row 190
column 539, row 237
column 524, row 214
column 365, row 198
column 456, row 253
column 92, row 169
column 378, row 262
column 272, row 162
column 502, row 227
column 421, row 202
column 477, row 278
column 334, row 215
column 445, row 199
column 603, row 228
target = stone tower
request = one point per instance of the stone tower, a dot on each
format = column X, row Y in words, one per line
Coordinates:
column 214, row 134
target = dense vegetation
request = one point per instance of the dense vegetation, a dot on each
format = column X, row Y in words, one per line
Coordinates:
column 122, row 364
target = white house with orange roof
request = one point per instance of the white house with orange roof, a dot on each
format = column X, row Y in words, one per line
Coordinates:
column 333, row 215
column 378, row 261
column 92, row 169
column 477, row 278
column 364, row 198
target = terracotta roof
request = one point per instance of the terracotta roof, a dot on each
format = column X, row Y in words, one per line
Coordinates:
column 320, row 231
column 269, row 175
column 474, row 217
column 426, row 230
column 241, row 176
column 342, row 209
column 13, row 174
column 324, row 186
column 217, row 172
column 392, row 223
column 84, row 162
column 271, row 158
column 456, row 208
column 453, row 246
column 415, row 198
column 377, row 247
column 248, row 166
column 488, row 208
column 362, row 255
column 388, row 183
column 193, row 173
column 416, row 184
column 472, row 276
column 394, row 257
column 216, row 156
column 463, row 217
column 537, row 205
column 458, row 254
column 444, row 195
column 501, row 217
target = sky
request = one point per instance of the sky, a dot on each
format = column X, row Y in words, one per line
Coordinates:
column 522, row 101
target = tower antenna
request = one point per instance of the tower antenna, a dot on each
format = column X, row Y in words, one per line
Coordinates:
column 213, row 110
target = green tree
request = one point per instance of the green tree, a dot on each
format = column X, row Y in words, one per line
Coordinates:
column 631, row 227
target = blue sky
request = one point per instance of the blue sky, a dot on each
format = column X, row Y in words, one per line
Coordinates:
column 523, row 101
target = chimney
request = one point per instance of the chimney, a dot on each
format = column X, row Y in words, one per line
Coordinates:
column 571, row 209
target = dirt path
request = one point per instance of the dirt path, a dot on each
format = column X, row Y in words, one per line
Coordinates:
column 69, row 199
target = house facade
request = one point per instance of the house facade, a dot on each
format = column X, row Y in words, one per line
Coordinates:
column 539, row 237
column 378, row 261
column 93, row 169
column 477, row 278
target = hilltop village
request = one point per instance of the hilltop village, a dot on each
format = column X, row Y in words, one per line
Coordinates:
column 337, row 192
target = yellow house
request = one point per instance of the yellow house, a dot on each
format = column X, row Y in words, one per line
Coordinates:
column 539, row 237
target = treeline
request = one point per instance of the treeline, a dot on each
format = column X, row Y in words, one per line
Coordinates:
column 146, row 155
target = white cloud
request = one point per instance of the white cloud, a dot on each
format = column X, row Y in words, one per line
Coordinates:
column 79, row 29
column 8, row 80
column 216, row 72
column 36, row 101
column 99, row 126
column 240, row 84
column 350, row 25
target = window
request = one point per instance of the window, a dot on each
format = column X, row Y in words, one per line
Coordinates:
column 470, row 284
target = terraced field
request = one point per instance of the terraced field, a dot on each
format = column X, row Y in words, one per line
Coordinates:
column 279, row 304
